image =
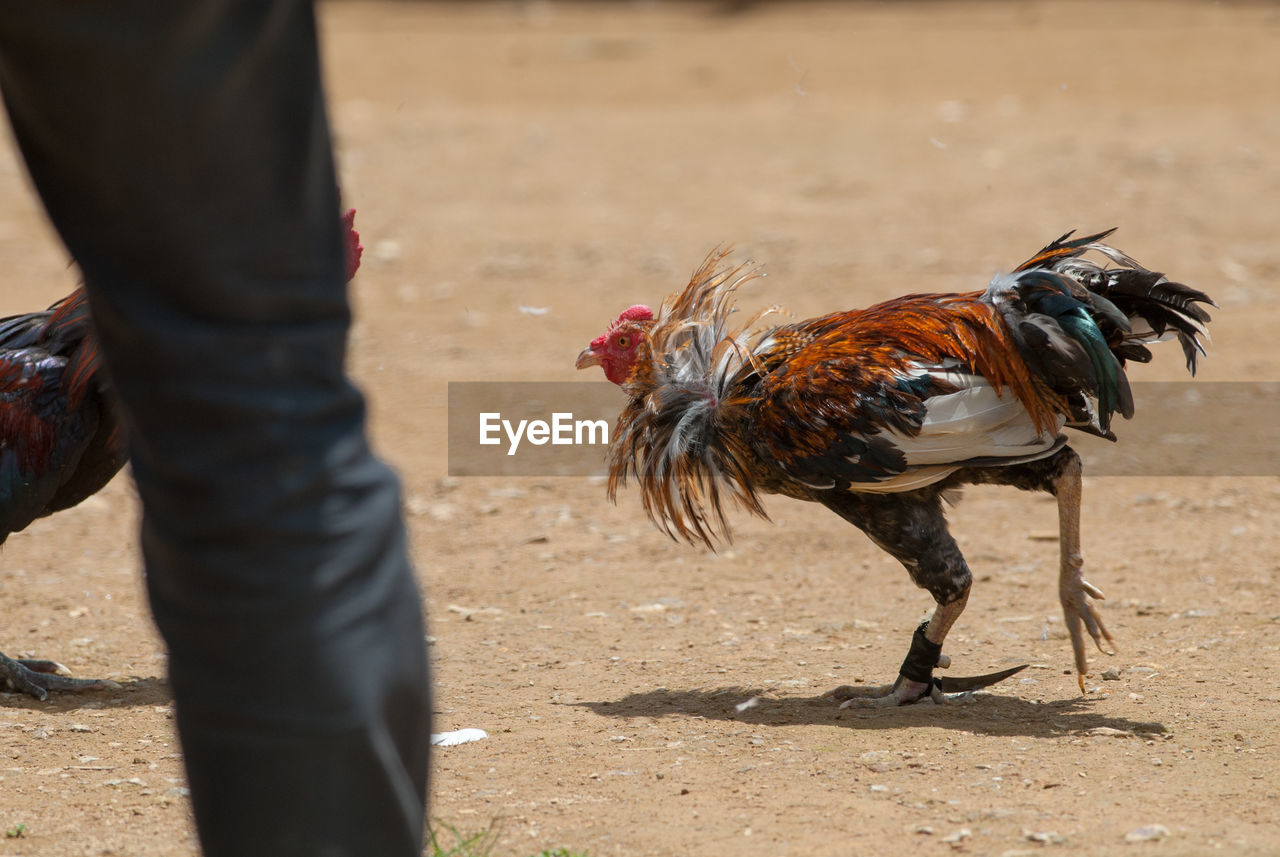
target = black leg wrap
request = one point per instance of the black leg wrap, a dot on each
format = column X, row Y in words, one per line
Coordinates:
column 922, row 658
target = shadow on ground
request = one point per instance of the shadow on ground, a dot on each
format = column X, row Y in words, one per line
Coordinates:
column 986, row 714
column 132, row 693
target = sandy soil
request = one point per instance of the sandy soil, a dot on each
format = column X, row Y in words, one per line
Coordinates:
column 583, row 158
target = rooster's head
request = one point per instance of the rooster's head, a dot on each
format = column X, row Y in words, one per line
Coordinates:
column 620, row 348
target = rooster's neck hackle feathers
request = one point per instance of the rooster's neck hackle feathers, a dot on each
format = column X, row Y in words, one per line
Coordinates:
column 677, row 436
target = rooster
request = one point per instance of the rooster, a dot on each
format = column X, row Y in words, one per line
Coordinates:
column 61, row 436
column 879, row 414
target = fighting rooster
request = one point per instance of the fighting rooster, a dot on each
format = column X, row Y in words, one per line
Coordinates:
column 61, row 439
column 878, row 413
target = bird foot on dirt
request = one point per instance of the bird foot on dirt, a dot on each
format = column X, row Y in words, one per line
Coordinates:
column 1080, row 614
column 36, row 678
column 907, row 691
column 915, row 682
column 1076, row 594
column 902, row 692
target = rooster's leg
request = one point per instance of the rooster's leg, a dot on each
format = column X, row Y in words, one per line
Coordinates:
column 913, row 529
column 37, row 678
column 1060, row 476
column 1076, row 593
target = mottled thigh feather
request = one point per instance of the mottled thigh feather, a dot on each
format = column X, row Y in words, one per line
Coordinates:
column 912, row 528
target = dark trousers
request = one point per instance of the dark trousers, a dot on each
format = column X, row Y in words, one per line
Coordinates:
column 182, row 151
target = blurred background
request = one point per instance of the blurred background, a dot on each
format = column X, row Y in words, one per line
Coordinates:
column 580, row 157
column 522, row 171
column 574, row 158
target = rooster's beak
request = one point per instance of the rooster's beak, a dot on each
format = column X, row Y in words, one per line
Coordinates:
column 588, row 357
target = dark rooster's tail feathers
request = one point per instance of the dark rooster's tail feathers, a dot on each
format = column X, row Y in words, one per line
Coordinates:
column 1155, row 306
column 1077, row 321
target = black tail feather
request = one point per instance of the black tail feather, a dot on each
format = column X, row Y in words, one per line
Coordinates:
column 1077, row 322
column 1165, row 306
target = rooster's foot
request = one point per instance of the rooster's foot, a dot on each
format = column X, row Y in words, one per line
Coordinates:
column 1081, row 614
column 915, row 683
column 1076, row 594
column 907, row 691
column 36, row 678
column 902, row 692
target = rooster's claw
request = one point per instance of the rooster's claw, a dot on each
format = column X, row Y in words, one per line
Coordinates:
column 907, row 692
column 36, row 678
column 1081, row 614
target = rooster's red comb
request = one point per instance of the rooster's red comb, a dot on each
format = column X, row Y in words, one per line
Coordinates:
column 639, row 312
column 352, row 243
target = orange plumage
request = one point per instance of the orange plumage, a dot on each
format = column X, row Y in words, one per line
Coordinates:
column 824, row 358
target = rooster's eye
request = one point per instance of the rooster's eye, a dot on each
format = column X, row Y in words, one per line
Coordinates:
column 624, row 341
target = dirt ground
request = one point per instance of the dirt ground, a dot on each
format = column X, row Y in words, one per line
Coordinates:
column 585, row 157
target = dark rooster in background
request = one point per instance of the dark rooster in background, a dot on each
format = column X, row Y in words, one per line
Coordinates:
column 878, row 413
column 61, row 437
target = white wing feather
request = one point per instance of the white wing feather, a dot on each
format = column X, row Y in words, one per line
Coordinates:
column 975, row 422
